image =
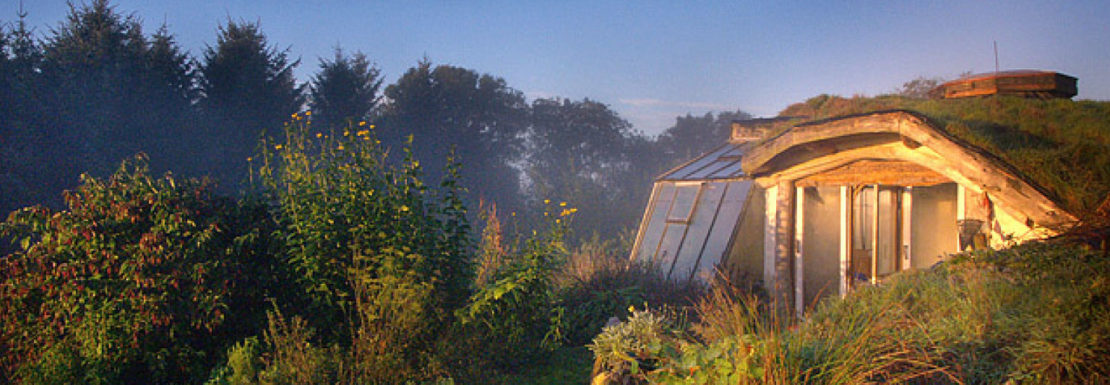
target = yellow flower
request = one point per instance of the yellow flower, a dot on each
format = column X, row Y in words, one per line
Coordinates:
column 404, row 208
column 631, row 308
column 362, row 123
column 277, row 146
column 545, row 213
column 562, row 204
column 308, row 113
column 363, row 133
column 546, row 201
column 318, row 135
column 294, row 116
column 558, row 220
column 513, row 214
column 340, row 147
column 249, row 159
column 346, row 133
column 371, row 126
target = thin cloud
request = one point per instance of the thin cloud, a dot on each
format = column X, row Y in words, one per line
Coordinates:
column 649, row 102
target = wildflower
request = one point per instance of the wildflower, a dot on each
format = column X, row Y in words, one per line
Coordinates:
column 340, row 147
column 294, row 116
column 631, row 308
column 363, row 133
column 318, row 135
column 558, row 220
column 371, row 126
column 513, row 214
column 545, row 213
column 546, row 201
column 308, row 113
column 404, row 208
column 277, row 146
column 346, row 133
column 249, row 159
column 362, row 123
column 562, row 204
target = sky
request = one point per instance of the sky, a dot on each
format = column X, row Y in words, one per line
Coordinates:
column 654, row 60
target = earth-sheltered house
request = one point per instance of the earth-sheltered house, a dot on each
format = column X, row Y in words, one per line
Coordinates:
column 819, row 207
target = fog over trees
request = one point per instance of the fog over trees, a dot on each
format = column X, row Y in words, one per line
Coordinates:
column 97, row 88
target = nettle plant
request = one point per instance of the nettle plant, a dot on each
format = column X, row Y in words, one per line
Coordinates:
column 382, row 259
column 137, row 279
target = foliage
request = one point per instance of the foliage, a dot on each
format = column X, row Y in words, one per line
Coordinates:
column 344, row 90
column 381, row 259
column 516, row 314
column 1033, row 314
column 139, row 279
column 478, row 115
column 286, row 356
column 631, row 348
column 579, row 151
column 600, row 284
column 247, row 85
column 695, row 135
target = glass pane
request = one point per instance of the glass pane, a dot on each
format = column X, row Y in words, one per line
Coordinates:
column 700, row 223
column 933, row 228
column 728, row 216
column 731, row 171
column 672, row 238
column 863, row 211
column 697, row 164
column 653, row 228
column 821, row 243
column 888, row 231
column 684, row 201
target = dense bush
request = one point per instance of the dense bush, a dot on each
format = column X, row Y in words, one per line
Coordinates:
column 140, row 279
column 381, row 259
column 599, row 282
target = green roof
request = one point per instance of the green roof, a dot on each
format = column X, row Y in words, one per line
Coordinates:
column 1060, row 144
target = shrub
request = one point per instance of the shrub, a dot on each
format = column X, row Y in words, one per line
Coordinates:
column 516, row 315
column 381, row 259
column 139, row 279
column 599, row 282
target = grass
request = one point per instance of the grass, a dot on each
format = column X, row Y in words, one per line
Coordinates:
column 1038, row 313
column 567, row 365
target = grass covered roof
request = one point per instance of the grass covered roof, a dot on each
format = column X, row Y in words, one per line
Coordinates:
column 1060, row 144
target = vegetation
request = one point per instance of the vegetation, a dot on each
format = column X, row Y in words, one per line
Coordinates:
column 340, row 262
column 140, row 279
column 1032, row 314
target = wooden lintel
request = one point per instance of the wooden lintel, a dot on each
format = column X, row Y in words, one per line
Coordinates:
column 866, row 171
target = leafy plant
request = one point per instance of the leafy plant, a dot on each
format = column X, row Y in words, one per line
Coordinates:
column 381, row 259
column 138, row 279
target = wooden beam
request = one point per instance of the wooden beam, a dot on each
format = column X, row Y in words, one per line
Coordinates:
column 799, row 241
column 845, row 238
column 869, row 171
column 938, row 151
column 784, row 245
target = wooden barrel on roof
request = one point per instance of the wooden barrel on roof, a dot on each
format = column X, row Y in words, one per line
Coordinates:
column 1025, row 83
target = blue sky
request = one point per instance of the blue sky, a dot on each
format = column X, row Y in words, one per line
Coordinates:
column 654, row 60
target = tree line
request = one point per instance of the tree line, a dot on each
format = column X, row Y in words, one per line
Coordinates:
column 97, row 88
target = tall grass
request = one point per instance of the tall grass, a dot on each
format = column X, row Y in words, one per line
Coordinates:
column 1038, row 313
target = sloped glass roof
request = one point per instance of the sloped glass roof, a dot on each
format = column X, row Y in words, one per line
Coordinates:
column 689, row 224
column 721, row 163
column 693, row 213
